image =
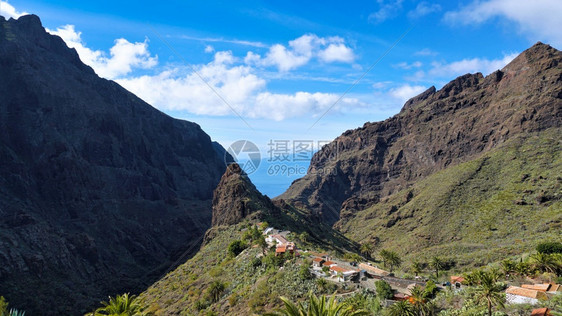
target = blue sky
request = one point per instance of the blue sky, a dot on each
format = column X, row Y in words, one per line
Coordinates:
column 275, row 70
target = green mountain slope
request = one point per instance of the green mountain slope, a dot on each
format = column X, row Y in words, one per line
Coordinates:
column 476, row 212
column 253, row 279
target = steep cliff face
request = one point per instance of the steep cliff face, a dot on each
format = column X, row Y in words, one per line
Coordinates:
column 236, row 198
column 99, row 191
column 437, row 129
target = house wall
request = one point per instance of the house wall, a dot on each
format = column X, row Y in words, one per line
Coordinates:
column 516, row 299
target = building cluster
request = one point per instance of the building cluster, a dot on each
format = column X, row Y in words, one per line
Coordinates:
column 277, row 238
column 322, row 261
column 531, row 293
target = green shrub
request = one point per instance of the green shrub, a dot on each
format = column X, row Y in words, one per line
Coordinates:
column 549, row 247
column 236, row 247
column 304, row 272
column 384, row 291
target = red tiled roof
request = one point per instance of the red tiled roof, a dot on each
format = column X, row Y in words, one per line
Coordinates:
column 317, row 259
column 537, row 287
column 555, row 287
column 540, row 312
column 280, row 249
column 515, row 290
column 339, row 269
column 456, row 278
column 328, row 263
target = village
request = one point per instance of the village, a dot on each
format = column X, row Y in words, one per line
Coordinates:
column 355, row 276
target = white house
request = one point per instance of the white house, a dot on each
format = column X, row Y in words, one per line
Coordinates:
column 519, row 295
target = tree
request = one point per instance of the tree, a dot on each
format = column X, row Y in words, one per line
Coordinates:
column 401, row 308
column 437, row 265
column 322, row 284
column 120, row 305
column 318, row 306
column 417, row 267
column 546, row 262
column 236, row 247
column 391, row 259
column 419, row 300
column 383, row 290
column 262, row 244
column 508, row 266
column 366, row 249
column 304, row 237
column 304, row 272
column 215, row 290
column 489, row 291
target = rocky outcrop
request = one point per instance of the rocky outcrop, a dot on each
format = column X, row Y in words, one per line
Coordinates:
column 467, row 117
column 236, row 198
column 99, row 191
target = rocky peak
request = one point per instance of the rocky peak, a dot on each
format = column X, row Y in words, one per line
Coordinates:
column 96, row 184
column 468, row 116
column 419, row 98
column 236, row 198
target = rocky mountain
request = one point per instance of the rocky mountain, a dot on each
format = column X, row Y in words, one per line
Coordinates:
column 254, row 278
column 236, row 198
column 435, row 130
column 99, row 192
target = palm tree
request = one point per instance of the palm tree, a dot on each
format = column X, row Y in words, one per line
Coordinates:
column 546, row 263
column 508, row 266
column 318, row 306
column 366, row 249
column 417, row 267
column 419, row 300
column 401, row 308
column 120, row 305
column 390, row 258
column 490, row 291
column 322, row 284
column 437, row 264
column 215, row 290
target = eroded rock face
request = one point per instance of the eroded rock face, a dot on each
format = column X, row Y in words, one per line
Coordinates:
column 99, row 191
column 470, row 115
column 236, row 198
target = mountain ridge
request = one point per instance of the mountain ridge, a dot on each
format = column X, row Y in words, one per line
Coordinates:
column 436, row 129
column 100, row 191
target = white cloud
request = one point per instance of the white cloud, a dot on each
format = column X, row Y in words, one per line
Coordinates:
column 123, row 57
column 337, row 52
column 461, row 67
column 193, row 89
column 301, row 50
column 8, row 11
column 405, row 65
column 405, row 92
column 180, row 89
column 387, row 10
column 539, row 19
column 209, row 49
column 243, row 90
column 423, row 8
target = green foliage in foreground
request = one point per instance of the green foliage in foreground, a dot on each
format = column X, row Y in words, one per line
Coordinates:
column 120, row 305
column 318, row 306
column 4, row 309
